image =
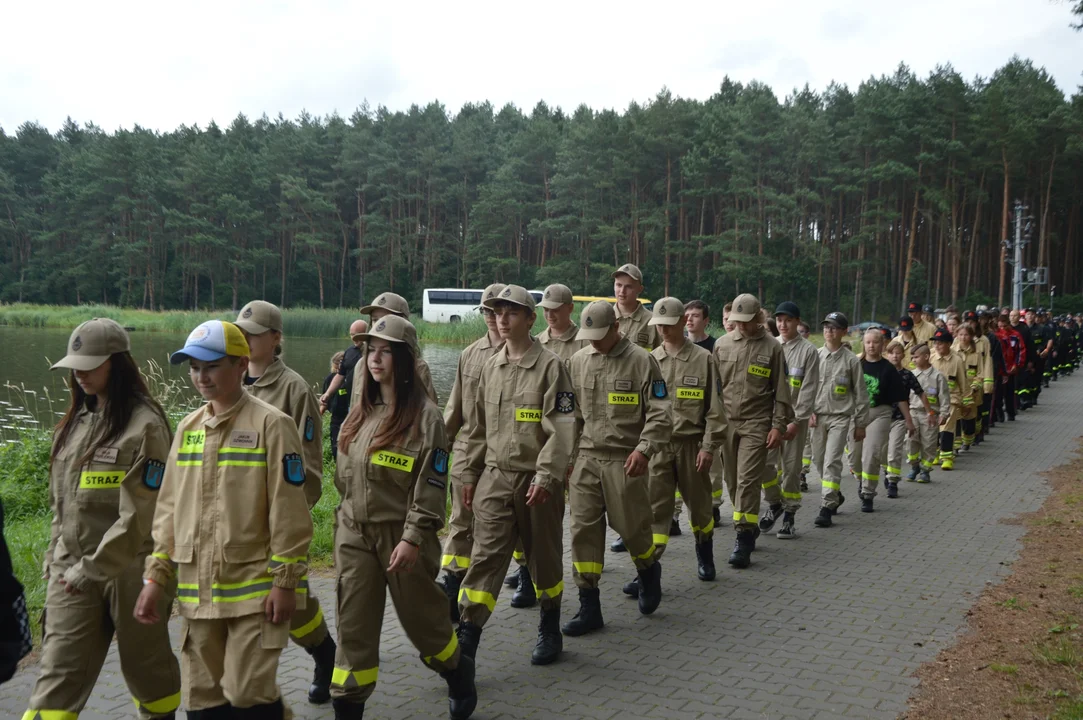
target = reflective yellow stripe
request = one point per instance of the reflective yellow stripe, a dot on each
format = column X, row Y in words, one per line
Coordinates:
column 162, row 706
column 806, row 461
column 892, row 470
column 404, row 463
column 689, row 393
column 517, row 554
column 50, row 715
column 840, row 390
column 759, row 371
column 716, row 494
column 588, row 568
column 869, row 476
column 550, row 592
column 791, row 496
column 528, row 415
column 445, row 654
column 746, row 517
column 242, row 463
column 704, row 530
column 795, row 382
column 362, row 677
column 278, row 561
column 650, row 552
column 771, row 483
column 100, row 480
column 829, row 485
column 188, row 592
column 660, row 539
column 457, row 560
column 623, row 398
column 309, row 626
column 479, row 597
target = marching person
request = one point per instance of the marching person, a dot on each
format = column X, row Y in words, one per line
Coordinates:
column 925, row 443
column 899, row 441
column 388, row 303
column 634, row 318
column 623, row 422
column 966, row 348
column 339, row 390
column 393, row 464
column 952, row 366
column 1014, row 350
column 923, row 329
column 232, row 526
column 106, row 463
column 757, row 403
column 517, row 455
column 559, row 335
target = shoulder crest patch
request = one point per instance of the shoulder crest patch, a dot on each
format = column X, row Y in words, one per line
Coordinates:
column 310, row 429
column 658, row 389
column 565, row 402
column 293, row 468
column 153, row 472
column 439, row 461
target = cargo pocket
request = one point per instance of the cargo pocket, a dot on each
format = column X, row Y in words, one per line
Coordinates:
column 272, row 636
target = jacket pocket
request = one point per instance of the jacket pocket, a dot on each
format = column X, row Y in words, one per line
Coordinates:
column 182, row 553
column 249, row 553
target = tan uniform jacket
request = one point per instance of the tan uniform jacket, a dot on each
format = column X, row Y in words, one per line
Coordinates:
column 696, row 407
column 623, row 400
column 953, row 368
column 753, row 375
column 985, row 362
column 285, row 389
column 635, row 328
column 936, row 391
column 842, row 390
column 972, row 360
column 526, row 418
column 564, row 346
column 908, row 350
column 405, row 482
column 802, row 375
column 924, row 331
column 459, row 413
column 232, row 518
column 103, row 508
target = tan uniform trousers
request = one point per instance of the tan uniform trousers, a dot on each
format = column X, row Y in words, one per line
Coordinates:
column 503, row 518
column 459, row 541
column 599, row 491
column 675, row 469
column 308, row 628
column 231, row 660
column 829, row 440
column 362, row 555
column 785, row 485
column 925, row 445
column 747, row 446
column 897, row 443
column 867, row 456
column 806, row 455
column 77, row 634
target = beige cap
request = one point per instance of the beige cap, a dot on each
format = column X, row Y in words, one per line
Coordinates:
column 745, row 308
column 595, row 320
column 491, row 292
column 92, row 343
column 512, row 294
column 667, row 311
column 395, row 304
column 393, row 329
column 555, row 296
column 631, row 271
column 258, row 316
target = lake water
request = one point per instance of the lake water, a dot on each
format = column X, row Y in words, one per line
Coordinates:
column 25, row 356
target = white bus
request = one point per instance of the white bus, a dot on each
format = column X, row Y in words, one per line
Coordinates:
column 452, row 305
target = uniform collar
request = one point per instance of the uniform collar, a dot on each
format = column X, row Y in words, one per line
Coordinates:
column 683, row 354
column 741, row 336
column 271, row 374
column 527, row 361
column 634, row 314
column 790, row 342
column 568, row 336
column 212, row 421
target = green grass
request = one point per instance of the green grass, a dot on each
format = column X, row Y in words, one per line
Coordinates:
column 1006, row 669
column 1012, row 603
column 1060, row 652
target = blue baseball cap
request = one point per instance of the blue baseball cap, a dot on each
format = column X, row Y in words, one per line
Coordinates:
column 213, row 340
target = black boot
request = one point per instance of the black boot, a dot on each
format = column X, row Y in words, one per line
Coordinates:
column 512, row 580
column 550, row 641
column 221, row 712
column 842, row 499
column 674, row 528
column 716, row 513
column 824, row 518
column 650, row 588
column 268, row 711
column 866, row 505
column 469, row 638
column 346, row 710
column 631, row 588
column 452, row 583
column 589, row 617
column 618, row 545
column 319, row 691
column 524, row 595
column 786, row 532
column 742, row 550
column 462, row 694
column 705, row 559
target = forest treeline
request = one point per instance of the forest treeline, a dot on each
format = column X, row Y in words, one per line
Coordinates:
column 856, row 200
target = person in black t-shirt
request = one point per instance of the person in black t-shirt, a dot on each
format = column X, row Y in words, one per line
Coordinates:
column 698, row 316
column 339, row 406
column 898, row 439
column 341, row 382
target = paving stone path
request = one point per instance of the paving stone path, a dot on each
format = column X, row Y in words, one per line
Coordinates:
column 830, row 625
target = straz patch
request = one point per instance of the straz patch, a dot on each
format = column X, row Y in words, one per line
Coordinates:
column 153, row 472
column 436, row 483
column 192, row 442
column 658, row 389
column 690, row 381
column 106, row 455
column 439, row 461
column 247, row 439
column 623, row 398
column 759, row 371
column 293, row 468
column 565, row 402
column 622, row 385
column 533, row 415
column 100, row 480
column 310, row 429
column 388, row 459
column 685, row 393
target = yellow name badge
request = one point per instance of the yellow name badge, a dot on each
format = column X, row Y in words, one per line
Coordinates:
column 951, row 384
column 795, row 382
column 623, row 398
column 971, row 372
column 405, row 463
column 685, row 393
column 528, row 415
column 193, row 441
column 759, row 371
column 106, row 480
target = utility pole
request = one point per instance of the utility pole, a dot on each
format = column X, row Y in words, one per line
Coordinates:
column 1017, row 263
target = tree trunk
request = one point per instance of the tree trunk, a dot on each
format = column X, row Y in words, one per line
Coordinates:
column 665, row 240
column 1004, row 226
column 913, row 232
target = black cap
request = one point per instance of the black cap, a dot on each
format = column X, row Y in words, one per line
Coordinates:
column 928, row 309
column 913, row 307
column 788, row 308
column 942, row 335
column 970, row 315
column 836, row 319
column 886, row 332
column 905, row 323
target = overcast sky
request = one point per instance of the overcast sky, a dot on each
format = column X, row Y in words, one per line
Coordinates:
column 161, row 64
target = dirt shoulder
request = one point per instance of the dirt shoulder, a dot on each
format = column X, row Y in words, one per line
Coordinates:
column 1021, row 656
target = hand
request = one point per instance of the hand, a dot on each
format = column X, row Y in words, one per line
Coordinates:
column 146, row 605
column 704, row 460
column 536, row 495
column 323, row 407
column 468, row 497
column 911, row 429
column 280, row 605
column 859, row 434
column 325, row 399
column 932, row 415
column 636, row 464
column 68, row 587
column 812, row 420
column 774, row 439
column 403, row 557
column 791, row 432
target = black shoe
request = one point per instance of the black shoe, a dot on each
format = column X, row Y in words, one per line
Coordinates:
column 618, row 546
column 866, row 505
column 913, row 474
column 755, row 537
column 716, row 513
column 221, row 712
column 265, row 711
column 525, row 595
column 804, row 484
column 767, row 520
column 842, row 499
column 346, row 710
column 1011, row 418
column 786, row 532
column 319, row 691
column 705, row 560
column 631, row 588
column 824, row 518
column 462, row 694
column 650, row 588
column 742, row 550
column 589, row 617
column 674, row 528
column 512, row 580
column 451, row 586
column 469, row 639
column 892, row 490
column 550, row 641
